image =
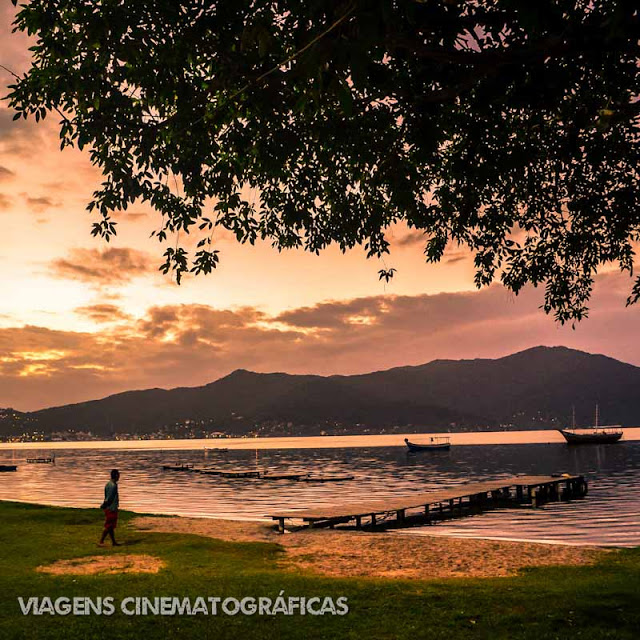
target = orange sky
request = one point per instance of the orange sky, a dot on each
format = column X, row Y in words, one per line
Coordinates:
column 80, row 319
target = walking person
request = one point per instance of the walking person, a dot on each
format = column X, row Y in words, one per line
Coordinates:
column 110, row 508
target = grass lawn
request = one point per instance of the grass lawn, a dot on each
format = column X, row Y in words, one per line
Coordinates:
column 601, row 601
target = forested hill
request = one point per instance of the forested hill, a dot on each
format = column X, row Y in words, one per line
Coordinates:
column 532, row 388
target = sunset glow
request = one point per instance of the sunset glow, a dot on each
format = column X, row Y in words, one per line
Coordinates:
column 81, row 319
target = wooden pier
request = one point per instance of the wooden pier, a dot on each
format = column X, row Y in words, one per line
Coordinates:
column 300, row 476
column 284, row 475
column 230, row 473
column 433, row 505
column 328, row 477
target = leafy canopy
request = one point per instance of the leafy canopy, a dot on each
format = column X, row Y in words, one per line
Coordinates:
column 508, row 126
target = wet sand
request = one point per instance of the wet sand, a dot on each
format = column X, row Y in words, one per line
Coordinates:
column 394, row 555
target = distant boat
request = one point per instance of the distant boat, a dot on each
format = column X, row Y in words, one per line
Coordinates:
column 8, row 467
column 606, row 434
column 51, row 460
column 593, row 435
column 436, row 443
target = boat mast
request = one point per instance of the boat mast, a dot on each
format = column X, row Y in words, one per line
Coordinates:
column 573, row 416
column 597, row 416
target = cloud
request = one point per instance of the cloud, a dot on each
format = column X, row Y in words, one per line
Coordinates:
column 338, row 314
column 21, row 138
column 8, row 126
column 40, row 204
column 6, row 174
column 5, row 202
column 102, row 313
column 130, row 215
column 411, row 239
column 15, row 52
column 104, row 267
column 210, row 326
column 170, row 346
column 452, row 257
column 186, row 345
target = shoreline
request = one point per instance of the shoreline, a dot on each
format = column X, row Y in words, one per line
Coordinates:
column 269, row 523
column 460, row 438
column 344, row 553
column 341, row 553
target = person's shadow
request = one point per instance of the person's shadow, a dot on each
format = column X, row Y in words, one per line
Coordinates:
column 130, row 543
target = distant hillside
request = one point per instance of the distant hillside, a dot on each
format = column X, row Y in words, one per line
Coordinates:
column 533, row 388
column 12, row 421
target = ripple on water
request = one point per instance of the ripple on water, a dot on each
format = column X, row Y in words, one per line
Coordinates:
column 608, row 516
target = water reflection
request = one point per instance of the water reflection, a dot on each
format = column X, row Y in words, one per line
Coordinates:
column 609, row 515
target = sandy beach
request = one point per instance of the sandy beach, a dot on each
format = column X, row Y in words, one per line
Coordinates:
column 356, row 553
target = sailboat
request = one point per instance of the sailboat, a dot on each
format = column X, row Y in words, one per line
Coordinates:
column 606, row 434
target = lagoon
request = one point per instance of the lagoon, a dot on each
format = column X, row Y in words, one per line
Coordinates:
column 609, row 515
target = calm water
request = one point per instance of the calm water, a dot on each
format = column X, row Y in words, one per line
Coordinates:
column 610, row 514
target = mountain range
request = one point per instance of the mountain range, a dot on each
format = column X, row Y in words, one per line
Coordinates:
column 535, row 388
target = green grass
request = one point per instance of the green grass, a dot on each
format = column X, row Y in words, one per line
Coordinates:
column 601, row 601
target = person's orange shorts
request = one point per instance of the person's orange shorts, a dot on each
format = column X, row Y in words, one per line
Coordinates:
column 110, row 519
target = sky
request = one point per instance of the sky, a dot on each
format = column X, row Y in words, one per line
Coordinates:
column 81, row 319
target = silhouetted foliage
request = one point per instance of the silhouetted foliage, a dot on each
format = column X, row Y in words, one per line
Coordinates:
column 508, row 126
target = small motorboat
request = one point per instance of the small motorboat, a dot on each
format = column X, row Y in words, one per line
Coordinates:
column 51, row 460
column 436, row 443
column 8, row 467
